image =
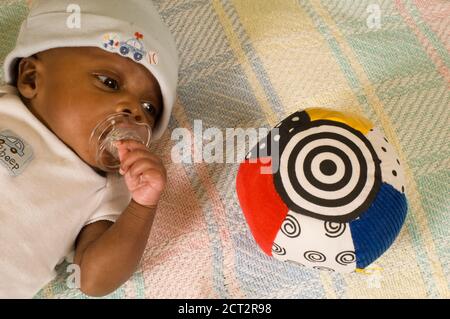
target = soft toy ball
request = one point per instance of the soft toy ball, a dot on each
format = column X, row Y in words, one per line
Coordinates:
column 324, row 190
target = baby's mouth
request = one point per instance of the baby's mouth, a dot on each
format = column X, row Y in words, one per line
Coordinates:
column 117, row 127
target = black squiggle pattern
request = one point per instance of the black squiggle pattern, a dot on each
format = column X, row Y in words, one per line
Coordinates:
column 346, row 257
column 291, row 227
column 314, row 256
column 334, row 230
column 278, row 250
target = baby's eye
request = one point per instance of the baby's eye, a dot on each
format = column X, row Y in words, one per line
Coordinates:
column 149, row 108
column 109, row 82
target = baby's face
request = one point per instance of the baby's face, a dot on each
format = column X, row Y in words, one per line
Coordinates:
column 76, row 88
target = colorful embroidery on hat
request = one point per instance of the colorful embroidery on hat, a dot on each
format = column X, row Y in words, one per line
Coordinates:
column 152, row 57
column 133, row 47
column 111, row 41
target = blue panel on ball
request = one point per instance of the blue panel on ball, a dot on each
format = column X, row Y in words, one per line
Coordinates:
column 377, row 228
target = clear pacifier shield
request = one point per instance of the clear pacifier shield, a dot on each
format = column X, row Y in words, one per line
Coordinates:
column 117, row 127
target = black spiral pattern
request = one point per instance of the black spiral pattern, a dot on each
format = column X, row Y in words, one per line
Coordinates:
column 334, row 230
column 291, row 227
column 278, row 250
column 346, row 257
column 314, row 256
column 329, row 171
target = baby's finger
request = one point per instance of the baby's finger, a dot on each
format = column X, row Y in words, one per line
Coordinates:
column 156, row 178
column 136, row 155
column 141, row 166
column 122, row 151
column 131, row 145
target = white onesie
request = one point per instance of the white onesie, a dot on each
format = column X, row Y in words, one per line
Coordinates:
column 47, row 195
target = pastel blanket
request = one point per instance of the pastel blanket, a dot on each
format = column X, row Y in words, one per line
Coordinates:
column 250, row 63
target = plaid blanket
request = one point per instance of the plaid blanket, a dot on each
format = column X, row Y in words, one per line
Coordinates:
column 250, row 63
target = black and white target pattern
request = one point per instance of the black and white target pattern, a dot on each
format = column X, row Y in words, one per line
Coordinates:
column 328, row 171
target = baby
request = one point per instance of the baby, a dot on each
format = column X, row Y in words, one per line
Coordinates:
column 73, row 67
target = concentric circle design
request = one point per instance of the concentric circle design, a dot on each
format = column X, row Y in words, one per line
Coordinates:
column 328, row 171
column 314, row 256
column 276, row 249
column 346, row 258
column 334, row 230
column 291, row 227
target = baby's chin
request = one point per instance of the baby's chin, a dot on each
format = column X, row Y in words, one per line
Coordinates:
column 94, row 166
column 99, row 171
column 89, row 160
column 92, row 163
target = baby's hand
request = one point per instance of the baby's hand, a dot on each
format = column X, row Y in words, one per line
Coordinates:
column 144, row 173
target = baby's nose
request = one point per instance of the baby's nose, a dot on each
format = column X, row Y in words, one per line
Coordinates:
column 135, row 112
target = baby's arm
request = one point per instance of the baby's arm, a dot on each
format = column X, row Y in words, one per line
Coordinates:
column 108, row 254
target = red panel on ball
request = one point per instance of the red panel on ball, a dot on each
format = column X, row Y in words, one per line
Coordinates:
column 262, row 206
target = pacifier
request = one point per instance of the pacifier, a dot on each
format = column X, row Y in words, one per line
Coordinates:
column 117, row 127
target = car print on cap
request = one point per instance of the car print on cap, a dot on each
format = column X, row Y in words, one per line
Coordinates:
column 135, row 46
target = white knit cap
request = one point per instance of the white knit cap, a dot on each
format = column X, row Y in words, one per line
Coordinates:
column 131, row 28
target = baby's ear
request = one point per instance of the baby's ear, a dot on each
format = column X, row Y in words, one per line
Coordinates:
column 27, row 77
